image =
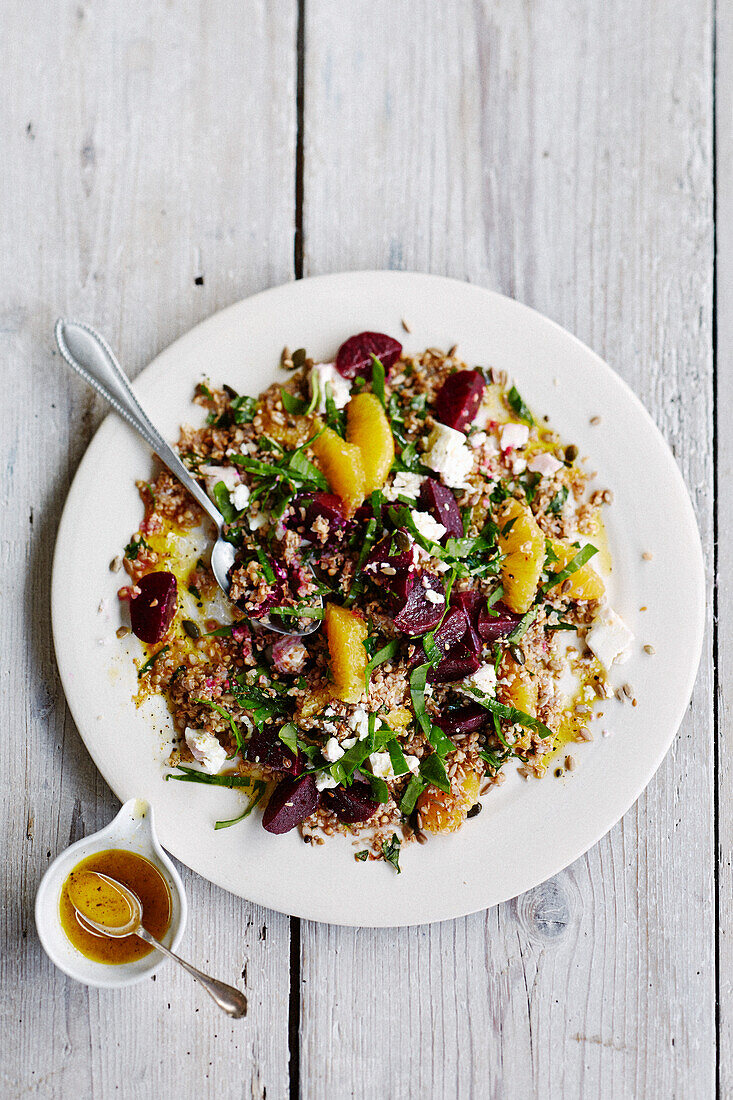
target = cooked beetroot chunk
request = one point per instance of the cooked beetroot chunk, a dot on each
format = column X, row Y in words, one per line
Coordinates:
column 351, row 804
column 292, row 801
column 325, row 506
column 151, row 613
column 419, row 614
column 459, row 398
column 265, row 747
column 388, row 557
column 453, row 628
column 458, row 662
column 355, row 355
column 439, row 501
column 463, row 720
column 492, row 627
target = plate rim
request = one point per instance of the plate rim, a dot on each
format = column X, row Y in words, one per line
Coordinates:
column 200, row 334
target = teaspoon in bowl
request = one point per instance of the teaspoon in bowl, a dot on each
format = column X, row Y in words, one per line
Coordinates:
column 127, row 911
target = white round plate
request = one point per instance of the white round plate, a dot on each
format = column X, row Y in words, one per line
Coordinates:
column 527, row 831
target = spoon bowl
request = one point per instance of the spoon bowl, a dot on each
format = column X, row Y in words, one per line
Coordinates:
column 90, row 356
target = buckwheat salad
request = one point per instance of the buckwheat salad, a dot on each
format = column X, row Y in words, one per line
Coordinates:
column 444, row 543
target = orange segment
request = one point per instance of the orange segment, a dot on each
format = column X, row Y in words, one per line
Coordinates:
column 520, row 691
column 346, row 634
column 585, row 584
column 524, row 546
column 367, row 426
column 439, row 812
column 342, row 464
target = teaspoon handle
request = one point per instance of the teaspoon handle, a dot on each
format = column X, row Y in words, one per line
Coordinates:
column 90, row 355
column 231, row 1000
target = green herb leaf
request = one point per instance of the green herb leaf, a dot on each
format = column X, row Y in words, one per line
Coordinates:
column 362, row 855
column 190, row 775
column 397, row 758
column 573, row 566
column 432, row 770
column 243, row 409
column 523, row 625
column 223, row 502
column 509, row 714
column 391, row 852
column 386, row 653
column 518, row 406
column 134, row 547
column 412, row 792
column 556, row 504
column 380, row 790
column 236, row 732
column 288, row 734
column 378, row 379
column 418, row 679
column 151, row 661
column 260, row 788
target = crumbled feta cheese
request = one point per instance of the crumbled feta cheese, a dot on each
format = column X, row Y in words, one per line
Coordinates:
column 514, row 435
column 324, row 781
column 382, row 765
column 449, row 456
column 332, row 751
column 206, row 749
column 477, row 439
column 545, row 464
column 259, row 519
column 348, row 743
column 484, row 679
column 427, row 525
column 413, row 764
column 325, row 374
column 609, row 638
column 518, row 466
column 329, row 727
column 359, row 723
column 214, row 474
column 434, row 597
column 240, row 496
column 404, row 484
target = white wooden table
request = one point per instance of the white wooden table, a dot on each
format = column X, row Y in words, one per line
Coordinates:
column 162, row 160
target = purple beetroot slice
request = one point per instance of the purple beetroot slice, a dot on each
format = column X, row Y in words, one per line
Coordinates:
column 152, row 611
column 292, row 801
column 439, row 501
column 491, row 627
column 466, row 719
column 351, row 804
column 458, row 399
column 452, row 629
column 355, row 354
column 265, row 747
column 419, row 614
column 326, row 506
column 458, row 663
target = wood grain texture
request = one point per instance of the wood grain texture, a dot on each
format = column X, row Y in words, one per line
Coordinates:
column 560, row 152
column 144, row 145
column 724, row 503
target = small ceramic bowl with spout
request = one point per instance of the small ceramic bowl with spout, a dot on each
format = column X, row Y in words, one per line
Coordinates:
column 133, row 829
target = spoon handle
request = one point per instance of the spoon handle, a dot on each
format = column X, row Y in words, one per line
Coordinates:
column 231, row 1000
column 91, row 356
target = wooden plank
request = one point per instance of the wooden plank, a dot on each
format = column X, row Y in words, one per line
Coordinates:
column 561, row 153
column 724, row 505
column 146, row 145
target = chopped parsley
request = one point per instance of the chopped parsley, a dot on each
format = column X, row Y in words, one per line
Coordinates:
column 151, row 661
column 391, row 851
column 518, row 406
column 134, row 547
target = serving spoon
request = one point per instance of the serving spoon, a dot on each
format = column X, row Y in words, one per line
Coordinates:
column 231, row 1000
column 90, row 355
